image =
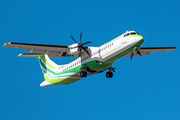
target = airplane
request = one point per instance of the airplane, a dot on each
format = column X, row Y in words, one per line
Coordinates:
column 90, row 60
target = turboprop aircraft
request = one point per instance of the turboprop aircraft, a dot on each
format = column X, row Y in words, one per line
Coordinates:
column 90, row 60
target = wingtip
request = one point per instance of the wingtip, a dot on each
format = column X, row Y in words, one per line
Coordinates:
column 174, row 48
column 20, row 55
column 6, row 44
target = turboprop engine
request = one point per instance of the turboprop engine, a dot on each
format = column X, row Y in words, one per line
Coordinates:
column 73, row 49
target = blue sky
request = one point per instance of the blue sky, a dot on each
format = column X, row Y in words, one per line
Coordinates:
column 144, row 88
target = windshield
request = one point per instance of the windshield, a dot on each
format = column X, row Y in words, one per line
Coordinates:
column 130, row 33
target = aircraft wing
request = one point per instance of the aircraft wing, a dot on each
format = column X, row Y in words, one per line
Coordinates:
column 51, row 50
column 147, row 50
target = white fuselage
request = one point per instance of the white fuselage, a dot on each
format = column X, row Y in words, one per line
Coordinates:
column 106, row 51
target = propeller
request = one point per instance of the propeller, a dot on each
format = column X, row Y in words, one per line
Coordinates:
column 137, row 52
column 80, row 45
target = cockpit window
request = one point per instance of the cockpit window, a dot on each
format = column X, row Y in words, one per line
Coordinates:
column 126, row 34
column 131, row 33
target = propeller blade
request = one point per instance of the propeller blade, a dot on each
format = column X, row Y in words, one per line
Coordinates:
column 139, row 53
column 80, row 51
column 86, row 51
column 131, row 56
column 80, row 45
column 87, row 42
column 73, row 38
column 80, row 36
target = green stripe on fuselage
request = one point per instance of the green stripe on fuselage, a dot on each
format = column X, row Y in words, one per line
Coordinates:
column 135, row 35
column 46, row 62
column 112, row 40
column 125, row 52
column 44, row 66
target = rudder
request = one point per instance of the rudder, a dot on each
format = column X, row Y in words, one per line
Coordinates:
column 49, row 69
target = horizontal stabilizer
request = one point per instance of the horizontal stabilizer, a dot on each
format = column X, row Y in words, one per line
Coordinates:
column 30, row 55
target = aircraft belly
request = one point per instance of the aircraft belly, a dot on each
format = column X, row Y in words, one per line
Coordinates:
column 99, row 66
column 69, row 78
column 64, row 80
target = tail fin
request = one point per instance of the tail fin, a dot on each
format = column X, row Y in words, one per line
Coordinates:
column 49, row 69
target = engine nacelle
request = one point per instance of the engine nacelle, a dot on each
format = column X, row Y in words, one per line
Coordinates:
column 73, row 49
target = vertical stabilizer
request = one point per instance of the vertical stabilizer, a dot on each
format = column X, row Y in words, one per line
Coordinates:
column 49, row 69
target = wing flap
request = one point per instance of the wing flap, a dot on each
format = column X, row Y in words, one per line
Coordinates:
column 36, row 46
column 157, row 49
column 56, row 51
column 135, row 54
column 147, row 50
column 52, row 55
column 30, row 55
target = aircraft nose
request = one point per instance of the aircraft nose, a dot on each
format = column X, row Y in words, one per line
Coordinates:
column 139, row 38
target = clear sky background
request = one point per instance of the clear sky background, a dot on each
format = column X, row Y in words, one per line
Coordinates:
column 146, row 88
